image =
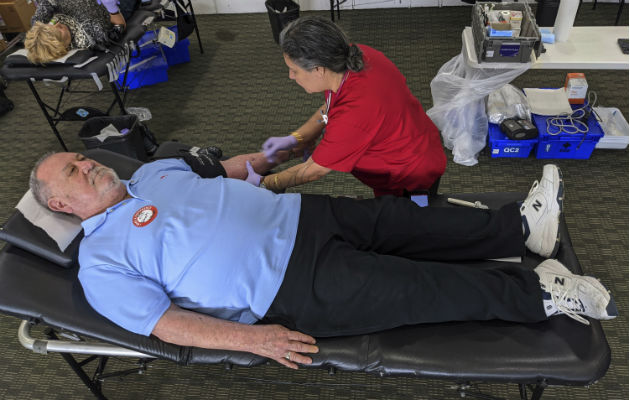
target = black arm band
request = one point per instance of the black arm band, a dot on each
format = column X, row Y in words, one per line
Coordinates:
column 204, row 164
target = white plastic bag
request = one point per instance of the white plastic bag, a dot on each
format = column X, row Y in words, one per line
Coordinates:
column 507, row 102
column 459, row 110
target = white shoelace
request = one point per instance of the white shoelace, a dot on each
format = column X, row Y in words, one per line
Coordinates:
column 562, row 298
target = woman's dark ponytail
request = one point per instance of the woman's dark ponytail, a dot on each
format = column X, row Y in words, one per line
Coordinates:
column 317, row 42
column 354, row 62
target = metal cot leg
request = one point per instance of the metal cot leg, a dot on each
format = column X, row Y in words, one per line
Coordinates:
column 48, row 117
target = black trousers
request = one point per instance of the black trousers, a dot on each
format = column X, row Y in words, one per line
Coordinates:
column 361, row 266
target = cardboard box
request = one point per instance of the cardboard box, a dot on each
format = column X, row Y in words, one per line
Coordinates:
column 576, row 87
column 16, row 15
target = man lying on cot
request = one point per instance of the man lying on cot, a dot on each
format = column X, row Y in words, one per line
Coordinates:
column 221, row 264
column 61, row 25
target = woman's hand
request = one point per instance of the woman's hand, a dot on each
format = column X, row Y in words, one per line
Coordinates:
column 110, row 5
column 118, row 19
column 277, row 143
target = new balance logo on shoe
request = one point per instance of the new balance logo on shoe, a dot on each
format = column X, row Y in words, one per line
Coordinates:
column 541, row 213
column 574, row 295
column 537, row 205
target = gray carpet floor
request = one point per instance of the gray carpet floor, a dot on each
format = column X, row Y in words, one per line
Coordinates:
column 236, row 94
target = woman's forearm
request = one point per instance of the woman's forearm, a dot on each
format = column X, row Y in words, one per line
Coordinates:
column 305, row 172
column 313, row 127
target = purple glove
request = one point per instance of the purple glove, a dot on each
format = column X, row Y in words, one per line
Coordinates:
column 276, row 143
column 252, row 176
column 110, row 5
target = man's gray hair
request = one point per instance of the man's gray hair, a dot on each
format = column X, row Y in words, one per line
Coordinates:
column 317, row 42
column 40, row 190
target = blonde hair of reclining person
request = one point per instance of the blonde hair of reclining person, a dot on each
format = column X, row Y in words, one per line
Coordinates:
column 46, row 42
column 61, row 25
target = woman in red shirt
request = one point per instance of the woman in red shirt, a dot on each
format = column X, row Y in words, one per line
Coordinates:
column 375, row 128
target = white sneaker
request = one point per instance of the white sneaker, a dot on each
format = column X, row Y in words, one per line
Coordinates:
column 541, row 213
column 574, row 295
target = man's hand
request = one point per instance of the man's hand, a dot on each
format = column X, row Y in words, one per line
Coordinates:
column 276, row 143
column 283, row 345
column 252, row 176
column 190, row 328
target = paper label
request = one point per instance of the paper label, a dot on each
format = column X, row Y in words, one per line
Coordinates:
column 167, row 37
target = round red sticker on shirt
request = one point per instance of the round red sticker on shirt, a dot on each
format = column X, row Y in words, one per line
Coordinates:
column 144, row 216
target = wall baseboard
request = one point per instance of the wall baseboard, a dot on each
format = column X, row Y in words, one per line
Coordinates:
column 258, row 6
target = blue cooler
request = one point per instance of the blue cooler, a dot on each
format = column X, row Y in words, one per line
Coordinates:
column 502, row 146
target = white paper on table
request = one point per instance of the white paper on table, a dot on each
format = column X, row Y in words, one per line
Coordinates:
column 548, row 101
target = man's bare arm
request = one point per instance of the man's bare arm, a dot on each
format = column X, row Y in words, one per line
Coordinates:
column 189, row 328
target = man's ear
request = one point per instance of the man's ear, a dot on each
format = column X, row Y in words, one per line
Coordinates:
column 56, row 204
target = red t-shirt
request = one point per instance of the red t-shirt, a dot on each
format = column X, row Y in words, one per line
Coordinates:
column 378, row 131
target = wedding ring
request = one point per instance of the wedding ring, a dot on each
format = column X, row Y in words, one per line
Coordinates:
column 288, row 355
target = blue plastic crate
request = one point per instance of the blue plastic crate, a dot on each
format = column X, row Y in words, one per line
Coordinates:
column 566, row 145
column 502, row 146
column 145, row 71
column 177, row 55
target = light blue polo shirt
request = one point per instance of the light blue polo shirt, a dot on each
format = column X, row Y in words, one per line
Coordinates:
column 218, row 246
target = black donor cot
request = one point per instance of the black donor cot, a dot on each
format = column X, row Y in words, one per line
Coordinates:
column 38, row 284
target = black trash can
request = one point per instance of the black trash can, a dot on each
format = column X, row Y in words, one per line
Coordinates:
column 130, row 144
column 546, row 12
column 281, row 12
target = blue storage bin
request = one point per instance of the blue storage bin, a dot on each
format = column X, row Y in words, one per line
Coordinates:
column 502, row 146
column 566, row 145
column 145, row 71
column 177, row 55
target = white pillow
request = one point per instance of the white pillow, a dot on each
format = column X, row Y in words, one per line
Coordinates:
column 62, row 228
column 62, row 59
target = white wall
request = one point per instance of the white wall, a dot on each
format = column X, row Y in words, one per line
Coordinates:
column 258, row 6
column 254, row 6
